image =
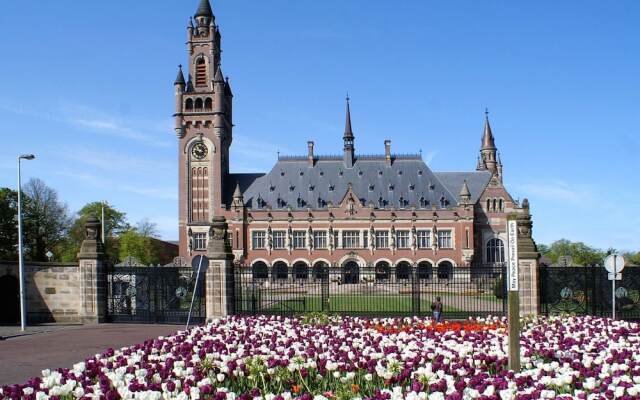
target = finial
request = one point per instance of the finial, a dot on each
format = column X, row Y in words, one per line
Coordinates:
column 348, row 98
column 486, row 112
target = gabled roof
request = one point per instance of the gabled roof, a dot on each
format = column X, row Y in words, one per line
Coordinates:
column 407, row 183
column 477, row 181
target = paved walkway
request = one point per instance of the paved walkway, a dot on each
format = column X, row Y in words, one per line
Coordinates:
column 55, row 346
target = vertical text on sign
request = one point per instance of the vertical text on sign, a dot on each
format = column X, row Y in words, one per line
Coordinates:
column 512, row 250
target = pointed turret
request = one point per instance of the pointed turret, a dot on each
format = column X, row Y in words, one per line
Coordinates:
column 218, row 77
column 488, row 151
column 465, row 193
column 487, row 138
column 348, row 139
column 238, row 200
column 204, row 9
column 180, row 78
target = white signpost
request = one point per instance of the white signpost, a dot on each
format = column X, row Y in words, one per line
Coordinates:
column 614, row 264
column 513, row 294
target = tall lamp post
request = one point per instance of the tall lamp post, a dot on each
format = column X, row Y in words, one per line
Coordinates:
column 23, row 303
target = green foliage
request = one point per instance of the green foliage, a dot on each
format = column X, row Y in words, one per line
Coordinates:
column 581, row 253
column 116, row 223
column 632, row 258
column 140, row 245
column 8, row 224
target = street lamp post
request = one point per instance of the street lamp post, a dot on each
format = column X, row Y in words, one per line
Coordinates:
column 23, row 303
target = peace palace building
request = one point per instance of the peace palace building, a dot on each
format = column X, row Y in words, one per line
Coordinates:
column 310, row 211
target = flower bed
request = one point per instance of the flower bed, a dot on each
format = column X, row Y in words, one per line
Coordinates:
column 277, row 358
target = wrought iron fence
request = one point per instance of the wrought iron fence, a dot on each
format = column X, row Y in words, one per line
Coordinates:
column 153, row 294
column 369, row 291
column 587, row 291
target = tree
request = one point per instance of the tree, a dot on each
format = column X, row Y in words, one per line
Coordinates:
column 8, row 224
column 46, row 220
column 578, row 251
column 115, row 224
column 140, row 243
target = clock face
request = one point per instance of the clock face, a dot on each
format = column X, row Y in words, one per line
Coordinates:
column 199, row 151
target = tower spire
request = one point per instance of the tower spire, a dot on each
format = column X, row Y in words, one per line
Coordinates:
column 204, row 9
column 488, row 151
column 180, row 77
column 348, row 139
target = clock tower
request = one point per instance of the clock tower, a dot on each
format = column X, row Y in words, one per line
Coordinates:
column 203, row 125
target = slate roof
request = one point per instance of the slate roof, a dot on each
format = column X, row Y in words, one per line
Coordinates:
column 408, row 182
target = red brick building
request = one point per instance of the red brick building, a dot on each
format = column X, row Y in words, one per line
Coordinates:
column 347, row 212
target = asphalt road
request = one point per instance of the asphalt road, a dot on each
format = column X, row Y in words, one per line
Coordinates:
column 23, row 357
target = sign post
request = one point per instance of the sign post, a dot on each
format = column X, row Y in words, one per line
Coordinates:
column 200, row 261
column 614, row 264
column 513, row 294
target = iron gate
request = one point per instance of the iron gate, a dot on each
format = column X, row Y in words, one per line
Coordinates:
column 587, row 291
column 371, row 291
column 154, row 294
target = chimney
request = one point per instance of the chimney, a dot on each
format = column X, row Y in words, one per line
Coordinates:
column 311, row 156
column 387, row 152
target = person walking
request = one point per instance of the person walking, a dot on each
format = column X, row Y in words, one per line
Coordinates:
column 436, row 307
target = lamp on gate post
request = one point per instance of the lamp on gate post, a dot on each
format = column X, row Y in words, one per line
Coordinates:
column 23, row 305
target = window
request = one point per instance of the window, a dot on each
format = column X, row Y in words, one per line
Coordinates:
column 258, row 239
column 382, row 239
column 299, row 239
column 402, row 239
column 320, row 239
column 365, row 239
column 201, row 73
column 199, row 241
column 495, row 251
column 445, row 240
column 279, row 239
column 424, row 239
column 350, row 239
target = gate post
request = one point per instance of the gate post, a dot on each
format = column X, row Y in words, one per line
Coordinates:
column 220, row 277
column 93, row 275
column 528, row 264
column 415, row 290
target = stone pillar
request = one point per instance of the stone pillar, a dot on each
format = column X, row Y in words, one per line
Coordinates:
column 219, row 277
column 528, row 264
column 93, row 275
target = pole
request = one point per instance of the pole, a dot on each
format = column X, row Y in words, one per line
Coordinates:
column 613, row 290
column 195, row 289
column 23, row 306
column 513, row 294
column 103, row 224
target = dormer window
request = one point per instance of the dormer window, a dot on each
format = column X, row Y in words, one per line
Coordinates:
column 311, row 187
column 321, row 173
column 272, row 188
column 281, row 173
column 331, row 187
column 379, row 173
column 431, row 186
column 390, row 187
column 201, row 72
column 300, row 202
column 320, row 202
column 423, row 202
column 412, row 186
column 371, row 187
column 301, row 173
column 380, row 202
column 400, row 172
column 291, row 188
column 419, row 172
column 360, row 173
column 340, row 173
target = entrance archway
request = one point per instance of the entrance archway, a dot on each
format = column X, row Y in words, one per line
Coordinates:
column 280, row 271
column 382, row 271
column 320, row 270
column 300, row 270
column 260, row 270
column 9, row 300
column 403, row 270
column 351, row 272
column 445, row 270
column 425, row 270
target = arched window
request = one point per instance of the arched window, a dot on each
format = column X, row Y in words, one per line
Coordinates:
column 495, row 251
column 188, row 105
column 382, row 271
column 445, row 270
column 488, row 204
column 198, row 104
column 403, row 270
column 280, row 271
column 260, row 270
column 320, row 270
column 494, row 205
column 300, row 270
column 201, row 72
column 501, row 205
column 208, row 104
column 425, row 270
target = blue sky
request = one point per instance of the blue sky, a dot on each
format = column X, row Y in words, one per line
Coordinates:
column 87, row 87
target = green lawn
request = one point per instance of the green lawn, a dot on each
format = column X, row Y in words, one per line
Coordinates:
column 355, row 303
